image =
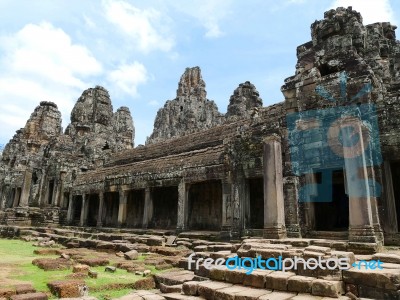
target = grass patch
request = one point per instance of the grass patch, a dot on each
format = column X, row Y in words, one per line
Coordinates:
column 16, row 257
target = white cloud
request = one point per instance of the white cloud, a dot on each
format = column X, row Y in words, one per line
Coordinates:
column 372, row 11
column 41, row 63
column 127, row 77
column 154, row 103
column 146, row 27
column 208, row 12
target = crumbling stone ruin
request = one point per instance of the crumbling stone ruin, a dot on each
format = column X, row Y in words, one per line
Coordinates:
column 237, row 174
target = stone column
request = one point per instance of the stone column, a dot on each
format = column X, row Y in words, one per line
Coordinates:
column 70, row 213
column 84, row 210
column 123, row 201
column 148, row 207
column 60, row 195
column 3, row 198
column 360, row 218
column 390, row 224
column 26, row 188
column 54, row 198
column 101, row 207
column 226, row 207
column 310, row 191
column 183, row 190
column 274, row 214
column 42, row 189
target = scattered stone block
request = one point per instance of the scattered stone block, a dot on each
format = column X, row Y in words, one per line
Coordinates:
column 94, row 262
column 66, row 289
column 80, row 269
column 50, row 264
column 30, row 296
column 110, row 269
column 7, row 292
column 170, row 240
column 24, row 288
column 145, row 284
column 46, row 251
column 131, row 255
column 92, row 274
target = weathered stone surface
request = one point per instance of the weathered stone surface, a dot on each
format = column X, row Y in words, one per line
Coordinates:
column 131, row 255
column 80, row 269
column 243, row 101
column 189, row 112
column 327, row 288
column 208, row 289
column 300, row 284
column 30, row 296
column 66, row 289
column 145, row 284
column 50, row 264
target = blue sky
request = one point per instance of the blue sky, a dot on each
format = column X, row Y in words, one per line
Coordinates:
column 53, row 50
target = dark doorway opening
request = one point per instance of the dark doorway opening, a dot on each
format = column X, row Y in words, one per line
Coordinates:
column 332, row 214
column 19, row 193
column 111, row 207
column 66, row 200
column 205, row 205
column 93, row 210
column 50, row 192
column 135, row 208
column 165, row 207
column 10, row 198
column 256, row 201
column 395, row 169
column 77, row 207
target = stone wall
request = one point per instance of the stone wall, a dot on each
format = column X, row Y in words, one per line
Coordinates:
column 345, row 67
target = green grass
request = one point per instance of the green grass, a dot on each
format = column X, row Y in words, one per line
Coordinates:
column 19, row 254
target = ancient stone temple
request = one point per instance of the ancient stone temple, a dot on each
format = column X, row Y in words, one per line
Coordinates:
column 275, row 172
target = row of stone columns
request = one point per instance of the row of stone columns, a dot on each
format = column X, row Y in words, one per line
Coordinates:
column 363, row 214
column 361, row 220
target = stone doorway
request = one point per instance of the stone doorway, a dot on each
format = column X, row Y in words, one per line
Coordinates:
column 93, row 210
column 77, row 207
column 255, row 218
column 165, row 208
column 332, row 215
column 50, row 192
column 110, row 211
column 135, row 208
column 395, row 169
column 205, row 205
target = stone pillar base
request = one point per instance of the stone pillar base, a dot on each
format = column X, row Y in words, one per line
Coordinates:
column 180, row 229
column 364, row 248
column 275, row 232
column 364, row 234
column 226, row 233
column 293, row 231
column 379, row 233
